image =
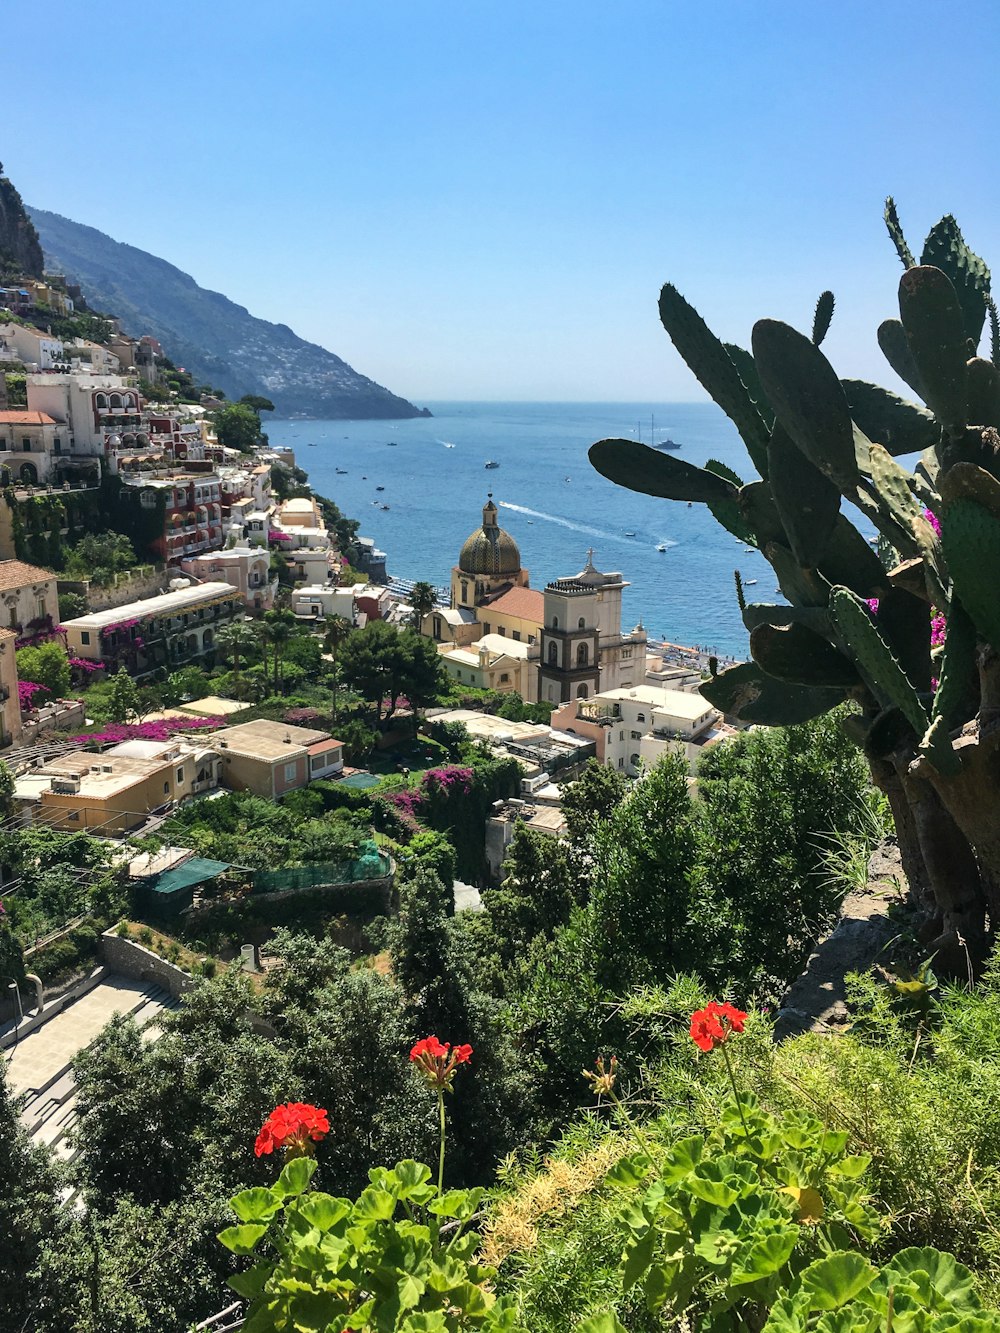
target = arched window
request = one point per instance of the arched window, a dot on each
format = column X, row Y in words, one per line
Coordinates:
column 581, row 623
column 640, row 717
column 553, row 654
column 582, row 654
column 582, row 692
column 633, row 761
column 101, row 400
column 116, row 400
column 465, row 592
column 555, row 622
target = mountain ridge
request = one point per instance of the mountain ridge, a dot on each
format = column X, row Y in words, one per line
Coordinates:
column 219, row 341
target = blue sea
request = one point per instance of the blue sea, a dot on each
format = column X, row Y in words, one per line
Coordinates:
column 551, row 501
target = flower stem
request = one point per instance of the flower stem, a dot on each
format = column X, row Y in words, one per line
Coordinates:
column 637, row 1133
column 736, row 1091
column 441, row 1152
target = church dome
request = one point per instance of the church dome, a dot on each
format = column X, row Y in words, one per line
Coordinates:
column 489, row 550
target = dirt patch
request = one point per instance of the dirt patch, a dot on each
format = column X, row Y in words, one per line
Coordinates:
column 816, row 1001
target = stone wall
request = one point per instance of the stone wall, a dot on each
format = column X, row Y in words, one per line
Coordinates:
column 129, row 586
column 135, row 960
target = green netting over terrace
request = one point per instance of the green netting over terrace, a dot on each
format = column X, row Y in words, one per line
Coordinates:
column 371, row 864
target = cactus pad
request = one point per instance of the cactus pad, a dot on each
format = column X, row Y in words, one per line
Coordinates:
column 794, row 653
column 749, row 694
column 899, row 426
column 970, row 535
column 875, row 660
column 640, row 468
column 935, row 331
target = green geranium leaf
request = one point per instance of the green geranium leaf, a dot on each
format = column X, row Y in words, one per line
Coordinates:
column 456, row 1203
column 323, row 1211
column 425, row 1321
column 708, row 1184
column 409, row 1289
column 831, row 1282
column 630, row 1171
column 601, row 1323
column 295, row 1177
column 683, row 1158
column 410, row 1175
column 241, row 1240
column 638, row 1256
column 375, row 1205
column 766, row 1256
column 251, row 1283
column 256, row 1205
column 944, row 1284
column 851, row 1167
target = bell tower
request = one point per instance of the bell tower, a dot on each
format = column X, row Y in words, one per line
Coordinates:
column 569, row 666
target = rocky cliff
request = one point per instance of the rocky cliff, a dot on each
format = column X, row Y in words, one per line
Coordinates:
column 20, row 249
column 219, row 342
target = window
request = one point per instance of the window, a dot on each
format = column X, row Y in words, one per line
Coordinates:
column 290, row 772
column 41, row 608
column 166, row 789
column 517, row 635
column 626, row 654
column 501, row 631
column 73, row 816
column 85, row 636
column 504, row 677
column 26, row 444
column 582, row 654
column 180, row 775
column 637, row 735
column 581, row 623
column 553, row 654
column 640, row 717
column 555, row 622
column 633, row 760
column 486, row 627
column 437, row 627
column 621, row 763
column 465, row 592
column 621, row 735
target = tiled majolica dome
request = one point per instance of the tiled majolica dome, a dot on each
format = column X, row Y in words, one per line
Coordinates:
column 489, row 550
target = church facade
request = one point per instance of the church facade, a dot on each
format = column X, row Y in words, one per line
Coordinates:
column 500, row 633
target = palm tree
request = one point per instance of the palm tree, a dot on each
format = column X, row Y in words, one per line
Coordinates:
column 423, row 600
column 235, row 641
column 335, row 631
column 276, row 630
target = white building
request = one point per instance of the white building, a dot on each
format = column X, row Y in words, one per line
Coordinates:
column 246, row 568
column 635, row 727
column 34, row 349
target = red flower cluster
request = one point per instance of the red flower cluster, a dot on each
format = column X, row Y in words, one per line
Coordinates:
column 437, row 1061
column 293, row 1127
column 711, row 1026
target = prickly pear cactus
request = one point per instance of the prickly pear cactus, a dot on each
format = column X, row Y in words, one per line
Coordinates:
column 908, row 636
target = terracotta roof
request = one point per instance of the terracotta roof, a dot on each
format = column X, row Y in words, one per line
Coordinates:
column 12, row 417
column 15, row 574
column 528, row 603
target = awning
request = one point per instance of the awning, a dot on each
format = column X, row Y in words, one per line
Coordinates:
column 195, row 871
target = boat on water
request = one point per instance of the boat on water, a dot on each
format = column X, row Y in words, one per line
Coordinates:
column 449, row 446
column 312, row 444
column 662, row 546
column 341, row 471
column 749, row 583
column 491, row 463
column 383, row 506
column 392, row 443
column 630, row 534
column 380, row 488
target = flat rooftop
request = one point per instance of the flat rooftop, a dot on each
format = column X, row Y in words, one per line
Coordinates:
column 677, row 703
column 269, row 741
column 490, row 727
column 165, row 603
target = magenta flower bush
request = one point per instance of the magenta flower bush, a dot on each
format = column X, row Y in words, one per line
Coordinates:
column 160, row 730
column 26, row 692
column 83, row 664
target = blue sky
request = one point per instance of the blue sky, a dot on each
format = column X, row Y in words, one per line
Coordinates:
column 476, row 200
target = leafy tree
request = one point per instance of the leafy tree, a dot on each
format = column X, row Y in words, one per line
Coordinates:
column 257, row 403
column 276, row 630
column 100, row 557
column 422, row 599
column 236, row 642
column 597, row 792
column 71, row 605
column 538, row 892
column 335, row 630
column 125, row 703
column 237, row 426
column 383, row 664
column 48, row 665
column 29, row 1211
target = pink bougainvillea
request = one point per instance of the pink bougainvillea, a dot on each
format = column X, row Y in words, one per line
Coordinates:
column 938, row 629
column 160, row 730
column 26, row 692
column 82, row 664
column 119, row 625
column 449, row 781
column 933, row 520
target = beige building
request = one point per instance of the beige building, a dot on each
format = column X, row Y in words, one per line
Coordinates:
column 170, row 630
column 272, row 758
column 495, row 662
column 117, row 790
column 10, row 707
column 29, row 598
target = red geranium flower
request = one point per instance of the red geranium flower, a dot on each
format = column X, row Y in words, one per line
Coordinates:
column 438, row 1060
column 293, row 1127
column 711, row 1026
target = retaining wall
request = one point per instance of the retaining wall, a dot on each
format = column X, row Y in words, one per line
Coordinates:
column 135, row 960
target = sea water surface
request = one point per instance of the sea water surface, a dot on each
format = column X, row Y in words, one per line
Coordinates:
column 550, row 499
